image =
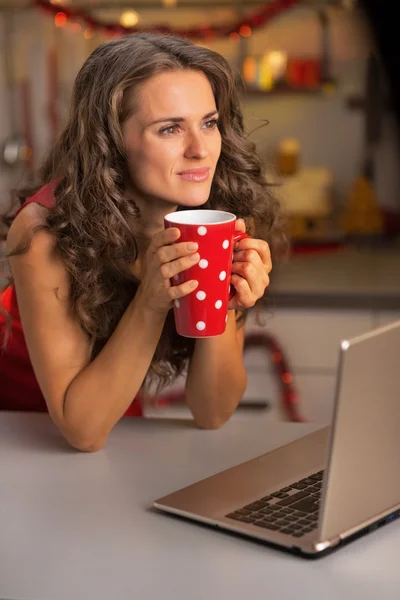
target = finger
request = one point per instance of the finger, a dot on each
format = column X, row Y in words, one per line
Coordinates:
column 178, row 291
column 164, row 237
column 170, row 269
column 240, row 225
column 259, row 245
column 256, row 278
column 173, row 251
column 251, row 256
column 244, row 297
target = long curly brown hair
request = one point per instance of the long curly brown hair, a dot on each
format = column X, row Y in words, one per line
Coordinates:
column 92, row 210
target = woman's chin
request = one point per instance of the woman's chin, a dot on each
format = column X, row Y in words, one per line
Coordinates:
column 192, row 200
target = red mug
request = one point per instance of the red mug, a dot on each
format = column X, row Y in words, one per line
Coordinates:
column 204, row 312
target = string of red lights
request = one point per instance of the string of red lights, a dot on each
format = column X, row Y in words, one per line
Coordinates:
column 84, row 19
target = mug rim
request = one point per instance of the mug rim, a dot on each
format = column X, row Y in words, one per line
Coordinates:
column 171, row 217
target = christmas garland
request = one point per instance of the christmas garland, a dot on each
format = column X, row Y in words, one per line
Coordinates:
column 243, row 27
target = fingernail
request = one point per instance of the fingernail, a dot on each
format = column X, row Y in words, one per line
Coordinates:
column 194, row 257
column 194, row 284
column 191, row 246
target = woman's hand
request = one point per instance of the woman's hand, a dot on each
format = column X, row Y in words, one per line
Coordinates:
column 164, row 259
column 250, row 270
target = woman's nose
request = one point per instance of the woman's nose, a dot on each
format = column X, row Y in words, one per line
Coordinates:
column 196, row 146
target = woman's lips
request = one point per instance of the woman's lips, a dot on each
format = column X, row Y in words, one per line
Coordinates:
column 195, row 175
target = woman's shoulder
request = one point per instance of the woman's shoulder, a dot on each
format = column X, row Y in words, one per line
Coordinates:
column 29, row 220
column 44, row 196
column 33, row 252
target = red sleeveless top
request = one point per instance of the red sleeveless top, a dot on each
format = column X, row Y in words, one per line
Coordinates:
column 19, row 389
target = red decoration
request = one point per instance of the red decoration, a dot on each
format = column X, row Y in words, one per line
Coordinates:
column 27, row 121
column 289, row 397
column 60, row 19
column 304, row 73
column 52, row 72
column 244, row 27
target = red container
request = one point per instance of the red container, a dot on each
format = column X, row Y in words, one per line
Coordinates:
column 204, row 312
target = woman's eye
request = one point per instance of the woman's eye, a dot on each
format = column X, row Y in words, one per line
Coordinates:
column 169, row 130
column 211, row 124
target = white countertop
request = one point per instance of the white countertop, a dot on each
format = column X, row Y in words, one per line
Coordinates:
column 80, row 526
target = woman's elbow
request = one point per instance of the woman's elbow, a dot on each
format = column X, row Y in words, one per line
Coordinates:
column 81, row 436
column 212, row 421
column 88, row 446
column 85, row 443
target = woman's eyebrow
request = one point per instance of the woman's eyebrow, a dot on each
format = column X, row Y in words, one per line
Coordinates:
column 180, row 119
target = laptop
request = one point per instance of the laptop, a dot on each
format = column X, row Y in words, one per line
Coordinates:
column 318, row 493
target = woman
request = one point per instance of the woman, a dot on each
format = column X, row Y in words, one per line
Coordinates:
column 91, row 262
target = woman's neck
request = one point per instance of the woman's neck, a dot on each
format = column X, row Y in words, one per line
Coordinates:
column 150, row 219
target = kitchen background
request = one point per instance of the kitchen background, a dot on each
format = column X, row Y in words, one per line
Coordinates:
column 316, row 97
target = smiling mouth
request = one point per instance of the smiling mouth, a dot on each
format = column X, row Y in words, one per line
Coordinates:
column 195, row 175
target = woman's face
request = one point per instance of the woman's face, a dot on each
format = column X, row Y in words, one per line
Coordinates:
column 172, row 138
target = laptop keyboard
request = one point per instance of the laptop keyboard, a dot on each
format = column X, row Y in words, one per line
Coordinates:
column 293, row 510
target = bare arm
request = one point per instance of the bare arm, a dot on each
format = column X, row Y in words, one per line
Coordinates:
column 85, row 398
column 217, row 378
column 219, row 362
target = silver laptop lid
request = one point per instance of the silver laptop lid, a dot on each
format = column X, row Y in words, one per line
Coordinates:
column 363, row 469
